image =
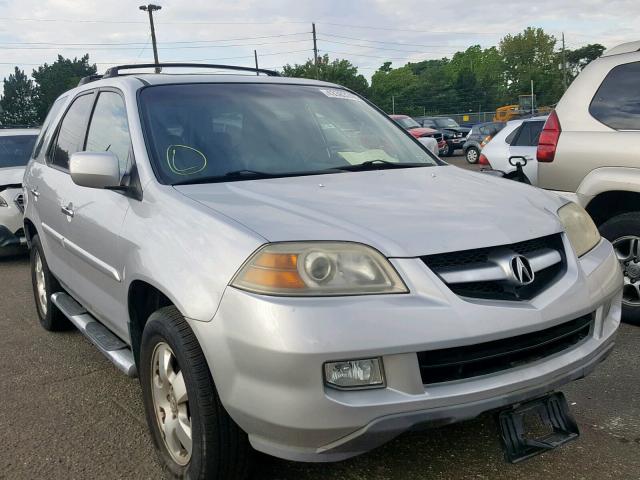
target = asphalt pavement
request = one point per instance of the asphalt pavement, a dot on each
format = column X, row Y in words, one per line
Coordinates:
column 68, row 413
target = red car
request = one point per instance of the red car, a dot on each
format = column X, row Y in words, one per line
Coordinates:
column 417, row 131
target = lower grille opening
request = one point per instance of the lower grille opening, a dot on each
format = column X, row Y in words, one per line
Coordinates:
column 457, row 363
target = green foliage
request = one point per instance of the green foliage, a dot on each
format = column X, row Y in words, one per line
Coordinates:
column 59, row 77
column 342, row 72
column 531, row 55
column 19, row 100
column 581, row 57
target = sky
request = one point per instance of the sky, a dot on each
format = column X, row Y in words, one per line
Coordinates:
column 367, row 33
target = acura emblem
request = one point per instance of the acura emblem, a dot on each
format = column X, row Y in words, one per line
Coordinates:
column 522, row 271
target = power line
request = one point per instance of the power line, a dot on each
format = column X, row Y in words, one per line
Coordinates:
column 184, row 47
column 379, row 48
column 144, row 43
column 369, row 56
column 371, row 27
column 394, row 43
column 110, row 21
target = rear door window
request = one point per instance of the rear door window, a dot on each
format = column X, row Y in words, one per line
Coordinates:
column 617, row 101
column 528, row 135
column 72, row 131
column 512, row 135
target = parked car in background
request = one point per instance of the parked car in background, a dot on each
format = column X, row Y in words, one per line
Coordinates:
column 16, row 145
column 590, row 152
column 517, row 138
column 454, row 134
column 429, row 137
column 308, row 299
column 478, row 137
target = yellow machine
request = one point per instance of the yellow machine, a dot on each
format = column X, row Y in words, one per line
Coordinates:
column 524, row 107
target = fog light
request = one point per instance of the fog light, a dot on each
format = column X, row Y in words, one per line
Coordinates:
column 366, row 373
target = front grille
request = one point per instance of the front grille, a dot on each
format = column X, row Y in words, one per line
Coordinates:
column 19, row 201
column 497, row 290
column 458, row 363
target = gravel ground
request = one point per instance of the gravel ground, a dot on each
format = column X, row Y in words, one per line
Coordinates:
column 68, row 413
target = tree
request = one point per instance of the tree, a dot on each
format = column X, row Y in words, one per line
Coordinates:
column 531, row 55
column 339, row 71
column 59, row 77
column 579, row 58
column 19, row 100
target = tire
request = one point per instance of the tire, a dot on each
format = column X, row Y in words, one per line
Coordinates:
column 472, row 155
column 219, row 448
column 44, row 284
column 616, row 230
column 448, row 150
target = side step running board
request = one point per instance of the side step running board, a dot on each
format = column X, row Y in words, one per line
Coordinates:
column 111, row 346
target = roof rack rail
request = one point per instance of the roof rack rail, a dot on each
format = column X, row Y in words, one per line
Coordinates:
column 115, row 71
column 89, row 79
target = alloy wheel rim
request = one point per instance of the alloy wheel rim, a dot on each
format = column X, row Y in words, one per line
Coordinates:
column 472, row 155
column 627, row 250
column 171, row 403
column 41, row 287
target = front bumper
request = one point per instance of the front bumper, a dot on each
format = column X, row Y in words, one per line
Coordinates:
column 266, row 356
column 9, row 239
column 11, row 223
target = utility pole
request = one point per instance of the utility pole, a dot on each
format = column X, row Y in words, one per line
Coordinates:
column 150, row 9
column 532, row 101
column 255, row 55
column 564, row 65
column 315, row 48
column 393, row 104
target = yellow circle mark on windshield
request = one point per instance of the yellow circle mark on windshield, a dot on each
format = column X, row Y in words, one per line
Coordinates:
column 192, row 170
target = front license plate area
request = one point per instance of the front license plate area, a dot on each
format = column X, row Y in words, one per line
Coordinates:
column 531, row 428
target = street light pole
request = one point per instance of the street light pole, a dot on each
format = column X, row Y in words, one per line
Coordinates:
column 150, row 9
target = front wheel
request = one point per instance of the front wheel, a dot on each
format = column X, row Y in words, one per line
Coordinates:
column 472, row 154
column 194, row 435
column 623, row 231
column 448, row 150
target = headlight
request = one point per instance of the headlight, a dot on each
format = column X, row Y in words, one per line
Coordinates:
column 581, row 231
column 318, row 268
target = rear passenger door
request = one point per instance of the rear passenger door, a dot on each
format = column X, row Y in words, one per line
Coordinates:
column 525, row 144
column 94, row 231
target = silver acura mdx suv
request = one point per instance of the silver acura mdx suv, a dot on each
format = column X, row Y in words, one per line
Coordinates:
column 285, row 268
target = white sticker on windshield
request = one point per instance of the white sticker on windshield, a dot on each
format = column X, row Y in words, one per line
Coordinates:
column 341, row 94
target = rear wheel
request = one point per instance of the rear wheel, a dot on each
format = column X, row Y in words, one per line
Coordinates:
column 195, row 436
column 472, row 154
column 44, row 284
column 623, row 231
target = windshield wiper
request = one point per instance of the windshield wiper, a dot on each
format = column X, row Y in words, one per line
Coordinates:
column 379, row 165
column 233, row 175
column 251, row 175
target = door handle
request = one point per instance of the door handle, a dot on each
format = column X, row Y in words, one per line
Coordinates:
column 68, row 210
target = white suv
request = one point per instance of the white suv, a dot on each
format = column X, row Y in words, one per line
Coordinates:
column 589, row 151
column 16, row 145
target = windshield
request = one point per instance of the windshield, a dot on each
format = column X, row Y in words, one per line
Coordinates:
column 15, row 150
column 407, row 122
column 446, row 123
column 201, row 132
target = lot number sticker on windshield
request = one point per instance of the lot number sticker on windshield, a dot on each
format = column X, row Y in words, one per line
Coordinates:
column 341, row 94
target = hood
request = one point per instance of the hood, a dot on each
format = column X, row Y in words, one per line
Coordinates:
column 463, row 130
column 11, row 175
column 403, row 212
column 421, row 131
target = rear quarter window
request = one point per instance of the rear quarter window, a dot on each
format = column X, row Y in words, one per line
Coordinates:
column 617, row 101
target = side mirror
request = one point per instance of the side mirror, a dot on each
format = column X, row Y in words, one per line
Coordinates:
column 95, row 169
